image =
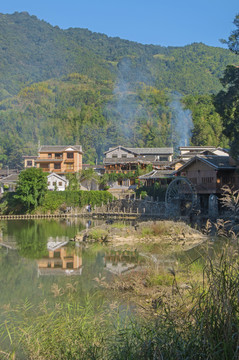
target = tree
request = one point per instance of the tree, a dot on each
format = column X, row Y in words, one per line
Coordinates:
column 227, row 100
column 31, row 188
column 88, row 175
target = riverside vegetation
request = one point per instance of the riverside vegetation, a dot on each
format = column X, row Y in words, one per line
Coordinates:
column 186, row 312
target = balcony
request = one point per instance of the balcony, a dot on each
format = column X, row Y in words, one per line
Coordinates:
column 48, row 160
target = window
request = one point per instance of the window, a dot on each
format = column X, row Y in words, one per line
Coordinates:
column 70, row 166
column 60, row 183
column 57, row 166
column 124, row 156
column 49, row 155
column 29, row 162
column 114, row 156
column 70, row 155
column 207, row 180
column 58, row 155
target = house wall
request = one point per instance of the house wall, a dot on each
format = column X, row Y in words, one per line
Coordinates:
column 28, row 163
column 65, row 164
column 119, row 153
column 55, row 182
column 202, row 176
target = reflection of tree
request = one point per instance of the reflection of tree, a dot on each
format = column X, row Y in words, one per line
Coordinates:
column 32, row 241
column 32, row 236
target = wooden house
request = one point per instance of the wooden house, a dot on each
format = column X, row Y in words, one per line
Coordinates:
column 189, row 152
column 162, row 177
column 60, row 159
column 29, row 161
column 209, row 174
column 124, row 159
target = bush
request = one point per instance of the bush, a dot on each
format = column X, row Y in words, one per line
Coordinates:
column 56, row 200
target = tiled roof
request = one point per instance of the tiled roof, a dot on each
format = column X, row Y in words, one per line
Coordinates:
column 157, row 174
column 29, row 157
column 122, row 161
column 10, row 179
column 221, row 162
column 215, row 161
column 144, row 151
column 59, row 148
column 152, row 151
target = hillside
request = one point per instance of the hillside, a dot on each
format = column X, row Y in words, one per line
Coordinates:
column 77, row 109
column 74, row 86
column 32, row 50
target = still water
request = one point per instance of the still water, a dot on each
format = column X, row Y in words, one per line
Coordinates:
column 39, row 263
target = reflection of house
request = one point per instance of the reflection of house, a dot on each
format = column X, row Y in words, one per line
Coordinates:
column 29, row 161
column 119, row 262
column 122, row 159
column 63, row 260
column 57, row 182
column 60, row 159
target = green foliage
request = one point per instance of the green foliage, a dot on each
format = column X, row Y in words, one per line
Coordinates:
column 208, row 125
column 74, row 96
column 227, row 100
column 31, row 188
column 55, row 200
column 157, row 191
column 227, row 105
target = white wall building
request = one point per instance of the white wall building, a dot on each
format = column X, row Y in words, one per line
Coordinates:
column 57, row 182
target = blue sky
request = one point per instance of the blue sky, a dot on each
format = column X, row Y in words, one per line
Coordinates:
column 166, row 23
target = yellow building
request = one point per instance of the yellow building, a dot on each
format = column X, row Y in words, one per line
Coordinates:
column 60, row 159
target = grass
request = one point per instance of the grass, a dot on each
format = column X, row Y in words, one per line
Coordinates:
column 199, row 323
column 98, row 234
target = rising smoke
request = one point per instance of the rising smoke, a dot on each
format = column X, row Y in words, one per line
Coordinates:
column 126, row 109
column 181, row 123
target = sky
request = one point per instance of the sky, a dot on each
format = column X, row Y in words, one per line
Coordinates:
column 165, row 23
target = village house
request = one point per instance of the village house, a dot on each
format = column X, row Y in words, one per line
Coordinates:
column 162, row 177
column 10, row 182
column 29, row 161
column 209, row 174
column 60, row 159
column 56, row 182
column 124, row 159
column 188, row 152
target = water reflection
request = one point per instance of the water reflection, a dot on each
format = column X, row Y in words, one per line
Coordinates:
column 61, row 260
column 122, row 261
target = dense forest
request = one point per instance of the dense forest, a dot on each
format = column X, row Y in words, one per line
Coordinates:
column 77, row 87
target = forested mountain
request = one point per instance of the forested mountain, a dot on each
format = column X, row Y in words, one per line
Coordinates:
column 74, row 86
column 32, row 50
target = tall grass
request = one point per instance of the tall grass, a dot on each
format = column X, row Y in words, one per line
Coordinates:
column 201, row 323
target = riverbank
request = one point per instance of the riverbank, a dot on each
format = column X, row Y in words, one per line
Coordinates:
column 173, row 307
column 178, row 235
